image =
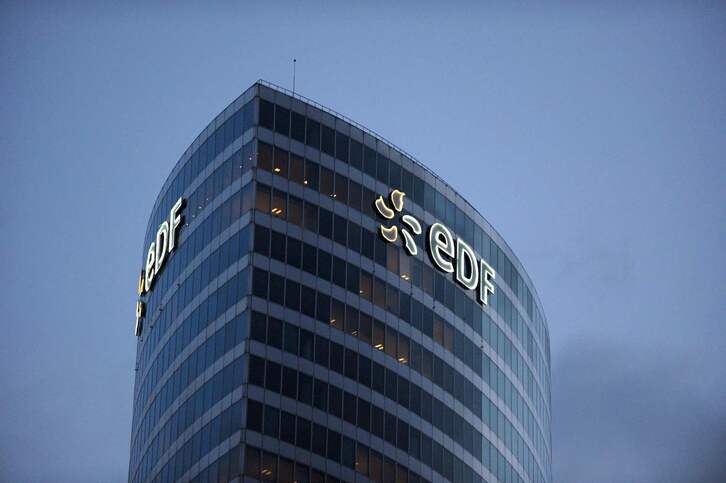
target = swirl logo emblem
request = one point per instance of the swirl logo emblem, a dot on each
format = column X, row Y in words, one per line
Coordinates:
column 390, row 234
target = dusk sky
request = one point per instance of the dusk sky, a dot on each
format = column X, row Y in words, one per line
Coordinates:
column 591, row 135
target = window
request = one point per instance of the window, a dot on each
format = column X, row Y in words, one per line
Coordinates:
column 281, row 162
column 379, row 334
column 354, row 195
column 252, row 460
column 302, row 434
column 297, row 169
column 327, row 142
column 262, row 200
column 254, row 416
column 279, row 202
column 267, row 114
column 264, row 156
column 272, row 422
column 292, row 295
column 356, row 154
column 311, row 175
column 277, row 246
column 311, row 217
column 310, row 258
column 313, row 134
column 324, row 265
column 366, row 285
column 341, row 146
column 289, row 384
column 326, row 182
column 297, row 127
column 282, row 120
column 294, row 248
column 341, row 188
column 336, row 401
column 294, row 210
column 262, row 240
column 325, row 227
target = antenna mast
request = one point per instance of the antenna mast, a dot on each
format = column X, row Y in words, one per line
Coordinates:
column 294, row 63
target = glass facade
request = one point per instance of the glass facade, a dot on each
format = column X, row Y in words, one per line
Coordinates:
column 285, row 340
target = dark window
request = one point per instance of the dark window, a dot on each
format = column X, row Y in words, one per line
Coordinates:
column 324, row 265
column 340, row 229
column 382, row 169
column 395, row 175
column 291, row 339
column 310, row 258
column 326, row 182
column 377, row 421
column 272, row 422
column 390, row 429
column 274, row 332
column 252, row 462
column 297, row 169
column 302, row 435
column 364, row 414
column 349, row 408
column 351, row 364
column 333, row 446
column 258, row 327
column 292, row 295
column 321, row 351
column 327, row 144
column 289, row 382
column 336, row 354
column 297, row 127
column 311, row 217
column 325, row 228
column 320, row 396
column 335, row 401
column 305, row 389
column 319, row 438
column 267, row 114
column 311, row 175
column 356, row 154
column 339, row 272
column 277, row 289
column 262, row 240
column 272, row 376
column 282, row 120
column 341, row 146
column 307, row 301
column 277, row 245
column 306, row 344
column 354, row 195
column 254, row 416
column 294, row 248
column 259, row 283
column 313, row 134
column 369, row 162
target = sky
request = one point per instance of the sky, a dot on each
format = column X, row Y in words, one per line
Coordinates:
column 590, row 134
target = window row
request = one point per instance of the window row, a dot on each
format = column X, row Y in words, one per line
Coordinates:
column 146, row 415
column 217, row 430
column 218, row 141
column 192, row 241
column 442, row 288
column 359, row 282
column 229, row 252
column 337, row 447
column 359, row 412
column 266, row 466
column 322, row 264
column 380, row 167
column 354, row 366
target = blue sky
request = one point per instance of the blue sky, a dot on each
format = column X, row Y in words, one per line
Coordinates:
column 590, row 134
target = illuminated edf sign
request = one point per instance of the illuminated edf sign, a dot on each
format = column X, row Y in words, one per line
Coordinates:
column 447, row 254
column 159, row 250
